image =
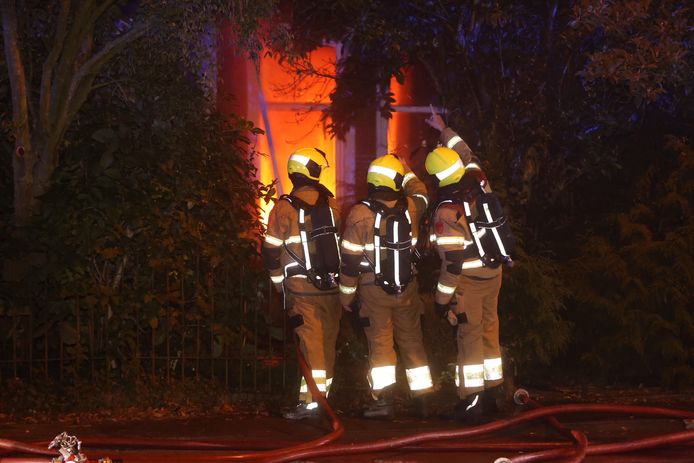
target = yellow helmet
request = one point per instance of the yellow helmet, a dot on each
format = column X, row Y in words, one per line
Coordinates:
column 386, row 172
column 446, row 165
column 308, row 162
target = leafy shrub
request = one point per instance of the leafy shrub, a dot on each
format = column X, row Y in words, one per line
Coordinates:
column 147, row 242
column 632, row 284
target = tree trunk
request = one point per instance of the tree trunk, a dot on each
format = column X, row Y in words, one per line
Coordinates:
column 24, row 156
column 33, row 166
column 23, row 165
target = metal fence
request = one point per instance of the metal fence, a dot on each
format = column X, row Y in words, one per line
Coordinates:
column 219, row 334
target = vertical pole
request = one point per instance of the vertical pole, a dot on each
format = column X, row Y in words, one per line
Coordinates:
column 138, row 357
column 92, row 350
column 45, row 356
column 153, row 360
column 255, row 343
column 153, row 357
column 14, row 352
column 78, row 322
column 104, row 330
column 255, row 348
column 31, row 345
column 210, row 289
column 60, row 374
column 226, row 343
column 183, row 326
column 168, row 330
column 269, row 342
column 199, row 318
column 242, row 307
column 197, row 350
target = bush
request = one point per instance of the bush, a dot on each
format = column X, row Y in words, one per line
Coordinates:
column 632, row 284
column 147, row 242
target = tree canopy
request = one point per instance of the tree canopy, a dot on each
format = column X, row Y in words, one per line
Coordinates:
column 55, row 53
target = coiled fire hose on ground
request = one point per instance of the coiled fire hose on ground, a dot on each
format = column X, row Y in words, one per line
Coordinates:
column 575, row 451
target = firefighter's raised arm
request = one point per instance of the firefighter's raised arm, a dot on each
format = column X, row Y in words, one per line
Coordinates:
column 449, row 137
column 435, row 120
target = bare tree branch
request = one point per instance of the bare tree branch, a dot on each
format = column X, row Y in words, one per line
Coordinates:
column 49, row 64
column 105, row 5
column 15, row 66
column 118, row 277
column 81, row 83
column 68, row 62
column 87, row 72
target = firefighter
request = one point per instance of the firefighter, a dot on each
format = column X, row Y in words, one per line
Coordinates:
column 467, row 292
column 389, row 311
column 310, row 293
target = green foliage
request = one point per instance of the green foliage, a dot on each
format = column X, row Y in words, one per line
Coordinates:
column 644, row 46
column 632, row 284
column 534, row 329
column 149, row 235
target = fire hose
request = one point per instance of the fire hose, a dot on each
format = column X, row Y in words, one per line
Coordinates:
column 575, row 451
column 414, row 442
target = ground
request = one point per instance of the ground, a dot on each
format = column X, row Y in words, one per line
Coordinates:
column 266, row 430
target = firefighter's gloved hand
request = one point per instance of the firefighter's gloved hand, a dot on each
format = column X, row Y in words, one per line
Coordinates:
column 452, row 318
column 441, row 309
column 435, row 120
column 444, row 311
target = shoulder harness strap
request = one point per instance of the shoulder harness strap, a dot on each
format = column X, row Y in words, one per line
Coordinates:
column 473, row 228
column 301, row 207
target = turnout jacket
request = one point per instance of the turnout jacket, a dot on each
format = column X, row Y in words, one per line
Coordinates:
column 357, row 239
column 283, row 230
column 452, row 235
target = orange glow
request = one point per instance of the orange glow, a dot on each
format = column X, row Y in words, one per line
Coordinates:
column 407, row 131
column 398, row 93
column 283, row 85
column 293, row 111
column 403, row 94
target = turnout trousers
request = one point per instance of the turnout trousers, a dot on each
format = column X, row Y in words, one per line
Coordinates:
column 316, row 323
column 479, row 354
column 390, row 320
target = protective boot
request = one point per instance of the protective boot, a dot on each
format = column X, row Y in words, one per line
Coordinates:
column 381, row 409
column 469, row 410
column 301, row 411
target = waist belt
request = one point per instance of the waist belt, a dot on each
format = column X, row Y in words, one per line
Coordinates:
column 480, row 278
column 294, row 270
